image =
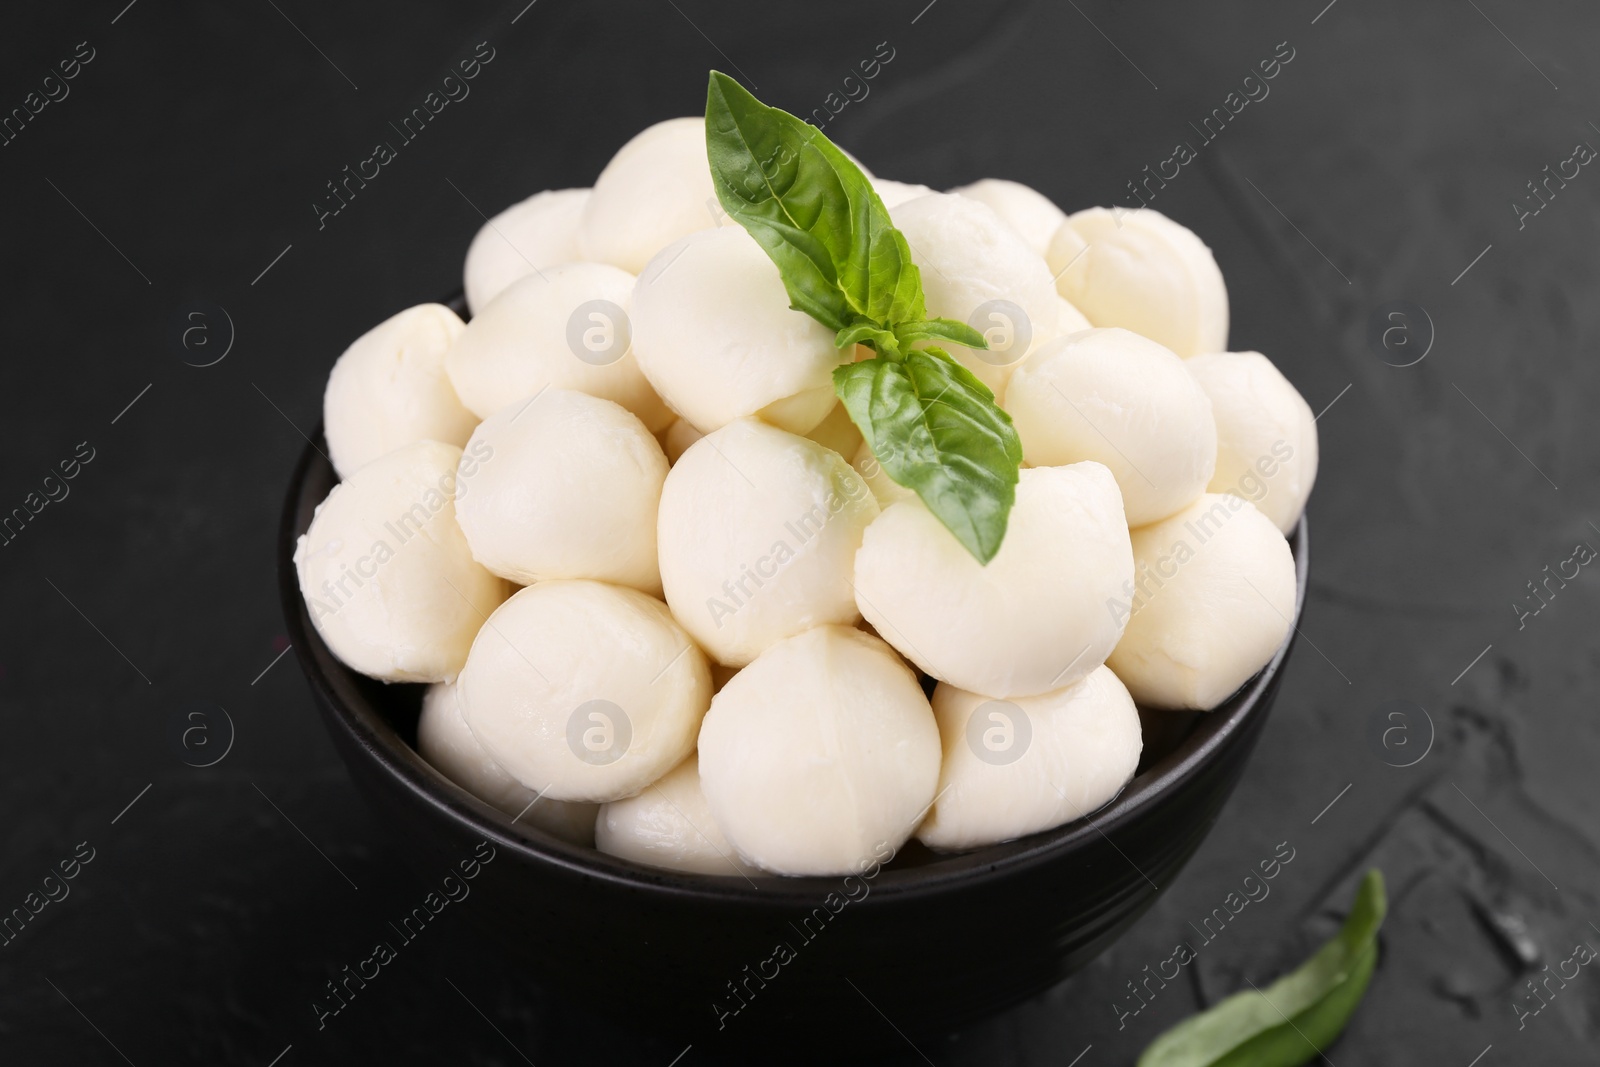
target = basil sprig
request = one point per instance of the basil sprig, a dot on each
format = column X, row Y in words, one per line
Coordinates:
column 933, row 426
column 1291, row 1021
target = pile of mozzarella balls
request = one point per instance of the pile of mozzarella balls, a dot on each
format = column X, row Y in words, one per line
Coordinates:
column 668, row 603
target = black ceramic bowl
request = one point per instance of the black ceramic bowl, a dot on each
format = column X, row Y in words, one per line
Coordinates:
column 924, row 944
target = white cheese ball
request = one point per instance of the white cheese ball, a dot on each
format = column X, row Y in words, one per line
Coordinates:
column 757, row 533
column 884, row 488
column 1016, row 767
column 390, row 389
column 1034, row 619
column 894, row 193
column 976, row 270
column 565, row 486
column 445, row 742
column 714, row 333
column 819, row 754
column 669, row 825
column 1119, row 399
column 386, row 573
column 583, row 690
column 656, row 189
column 525, row 238
column 1211, row 603
column 1142, row 271
column 1266, row 434
column 1029, row 213
column 565, row 328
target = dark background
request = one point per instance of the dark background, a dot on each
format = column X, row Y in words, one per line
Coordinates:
column 1385, row 159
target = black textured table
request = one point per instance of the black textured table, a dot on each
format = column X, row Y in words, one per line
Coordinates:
column 181, row 277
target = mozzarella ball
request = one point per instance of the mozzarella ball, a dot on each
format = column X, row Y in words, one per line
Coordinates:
column 715, row 335
column 677, row 438
column 1015, row 767
column 1030, row 214
column 838, row 432
column 884, row 488
column 386, row 573
column 1210, row 604
column 894, row 193
column 819, row 754
column 1142, row 271
column 1124, row 401
column 525, row 238
column 656, row 189
column 565, row 486
column 565, row 328
column 1266, row 434
column 669, row 825
column 976, row 270
column 757, row 532
column 583, row 690
column 1034, row 619
column 445, row 742
column 390, row 389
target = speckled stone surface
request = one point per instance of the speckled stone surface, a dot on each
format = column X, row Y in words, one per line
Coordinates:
column 182, row 172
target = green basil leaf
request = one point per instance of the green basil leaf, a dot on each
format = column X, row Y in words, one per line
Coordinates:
column 812, row 210
column 1291, row 1021
column 1314, row 1029
column 936, row 430
column 940, row 330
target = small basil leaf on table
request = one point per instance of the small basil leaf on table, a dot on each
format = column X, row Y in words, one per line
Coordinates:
column 935, row 429
column 1291, row 1021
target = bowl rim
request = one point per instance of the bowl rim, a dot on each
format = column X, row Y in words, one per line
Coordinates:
column 364, row 723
